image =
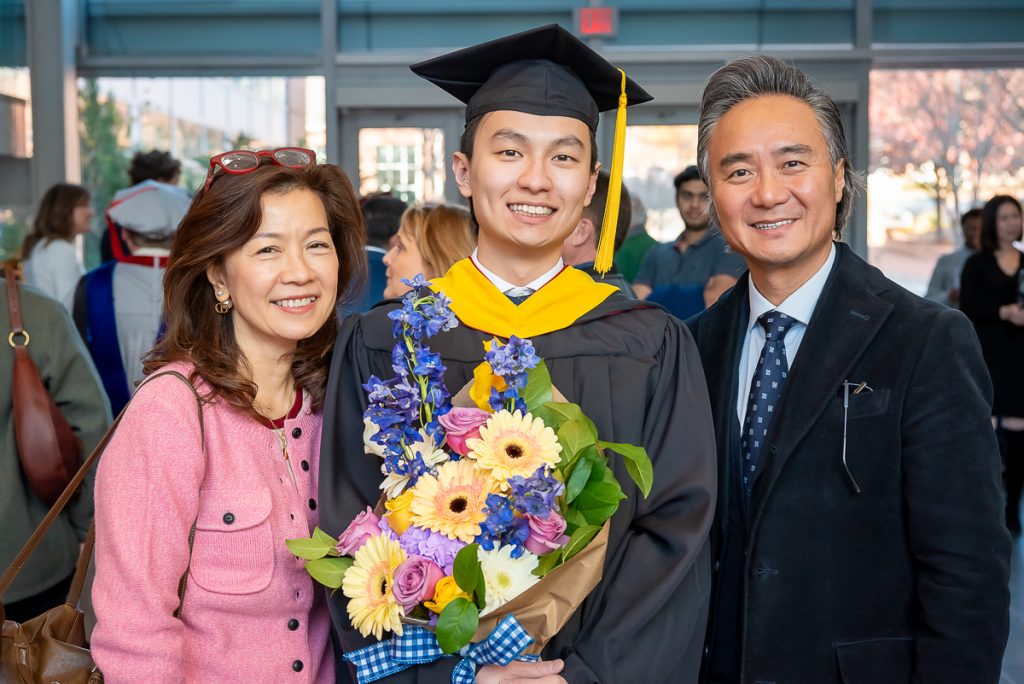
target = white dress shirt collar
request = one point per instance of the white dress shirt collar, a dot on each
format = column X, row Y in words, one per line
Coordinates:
column 799, row 305
column 504, row 286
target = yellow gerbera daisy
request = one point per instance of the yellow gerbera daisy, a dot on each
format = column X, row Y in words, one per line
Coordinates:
column 372, row 607
column 452, row 503
column 514, row 444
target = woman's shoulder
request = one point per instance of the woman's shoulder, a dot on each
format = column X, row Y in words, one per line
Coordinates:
column 174, row 381
column 53, row 249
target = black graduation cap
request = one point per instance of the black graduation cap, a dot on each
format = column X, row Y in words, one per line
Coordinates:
column 545, row 71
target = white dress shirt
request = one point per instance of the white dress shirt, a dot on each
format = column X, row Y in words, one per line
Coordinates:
column 799, row 305
column 504, row 286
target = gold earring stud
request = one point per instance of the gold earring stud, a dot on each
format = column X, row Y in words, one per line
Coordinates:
column 223, row 307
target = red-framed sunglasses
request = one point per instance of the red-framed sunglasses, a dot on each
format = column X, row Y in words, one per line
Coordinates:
column 238, row 162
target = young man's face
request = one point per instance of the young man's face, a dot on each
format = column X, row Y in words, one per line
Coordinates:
column 529, row 178
column 692, row 201
column 774, row 188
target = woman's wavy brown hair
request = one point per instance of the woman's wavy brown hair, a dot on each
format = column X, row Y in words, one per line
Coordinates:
column 54, row 218
column 219, row 222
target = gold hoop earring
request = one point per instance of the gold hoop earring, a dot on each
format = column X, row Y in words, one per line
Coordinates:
column 223, row 307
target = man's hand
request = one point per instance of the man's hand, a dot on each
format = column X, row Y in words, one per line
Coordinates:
column 541, row 672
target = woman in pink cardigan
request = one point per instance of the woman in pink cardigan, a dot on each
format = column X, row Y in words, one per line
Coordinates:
column 209, row 497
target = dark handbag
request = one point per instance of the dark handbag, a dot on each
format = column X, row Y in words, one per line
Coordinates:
column 47, row 447
column 52, row 648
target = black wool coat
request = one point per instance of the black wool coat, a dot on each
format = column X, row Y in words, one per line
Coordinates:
column 905, row 581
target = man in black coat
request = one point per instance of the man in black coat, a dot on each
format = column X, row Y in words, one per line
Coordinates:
column 858, row 536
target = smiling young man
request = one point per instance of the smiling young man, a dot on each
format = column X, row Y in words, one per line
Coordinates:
column 527, row 164
column 858, row 535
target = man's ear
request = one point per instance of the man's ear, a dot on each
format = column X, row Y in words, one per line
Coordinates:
column 460, row 167
column 126, row 237
column 582, row 234
column 592, row 186
column 840, row 180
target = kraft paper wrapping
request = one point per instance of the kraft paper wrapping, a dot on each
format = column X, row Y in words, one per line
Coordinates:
column 544, row 608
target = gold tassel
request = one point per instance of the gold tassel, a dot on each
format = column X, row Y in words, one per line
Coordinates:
column 606, row 245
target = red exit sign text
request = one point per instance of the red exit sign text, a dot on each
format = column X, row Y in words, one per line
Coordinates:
column 597, row 21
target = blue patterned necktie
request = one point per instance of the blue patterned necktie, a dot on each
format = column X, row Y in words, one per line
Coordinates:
column 765, row 391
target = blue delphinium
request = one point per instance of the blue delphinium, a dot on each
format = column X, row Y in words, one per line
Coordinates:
column 417, row 396
column 512, row 362
column 535, row 495
column 502, row 527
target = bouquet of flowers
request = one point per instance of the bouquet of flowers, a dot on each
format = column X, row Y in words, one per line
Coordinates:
column 488, row 499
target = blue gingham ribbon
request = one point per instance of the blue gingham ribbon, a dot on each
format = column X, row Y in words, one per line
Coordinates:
column 417, row 646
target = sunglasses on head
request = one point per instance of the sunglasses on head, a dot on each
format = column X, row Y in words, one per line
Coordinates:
column 237, row 162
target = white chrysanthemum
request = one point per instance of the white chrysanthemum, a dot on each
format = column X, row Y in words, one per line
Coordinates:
column 394, row 484
column 369, row 446
column 506, row 577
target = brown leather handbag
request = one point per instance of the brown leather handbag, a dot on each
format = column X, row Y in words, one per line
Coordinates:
column 52, row 648
column 47, row 447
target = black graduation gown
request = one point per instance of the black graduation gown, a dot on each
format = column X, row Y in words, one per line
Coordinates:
column 635, row 372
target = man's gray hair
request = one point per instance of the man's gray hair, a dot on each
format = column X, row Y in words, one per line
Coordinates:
column 759, row 76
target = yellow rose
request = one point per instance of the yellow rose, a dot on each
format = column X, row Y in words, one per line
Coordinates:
column 399, row 515
column 445, row 592
column 483, row 380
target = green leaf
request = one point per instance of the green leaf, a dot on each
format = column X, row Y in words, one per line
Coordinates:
column 467, row 570
column 322, row 536
column 568, row 465
column 309, row 549
column 638, row 463
column 548, row 562
column 579, row 541
column 457, row 624
column 550, row 418
column 538, row 387
column 573, row 519
column 578, row 479
column 329, row 571
column 600, row 496
column 564, row 410
column 599, row 493
column 575, row 436
column 480, row 595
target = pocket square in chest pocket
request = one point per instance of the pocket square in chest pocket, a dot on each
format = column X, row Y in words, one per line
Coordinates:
column 233, row 548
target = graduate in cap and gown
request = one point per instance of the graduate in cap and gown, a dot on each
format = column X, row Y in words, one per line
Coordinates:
column 528, row 164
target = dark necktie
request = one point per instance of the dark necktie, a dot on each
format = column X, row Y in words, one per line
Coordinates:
column 518, row 295
column 765, row 391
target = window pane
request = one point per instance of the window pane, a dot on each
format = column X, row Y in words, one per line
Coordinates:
column 406, row 162
column 654, row 156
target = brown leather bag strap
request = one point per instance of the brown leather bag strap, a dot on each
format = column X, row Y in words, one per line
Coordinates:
column 14, row 303
column 82, row 566
column 15, row 567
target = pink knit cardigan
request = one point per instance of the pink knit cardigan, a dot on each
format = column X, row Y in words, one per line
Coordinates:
column 251, row 613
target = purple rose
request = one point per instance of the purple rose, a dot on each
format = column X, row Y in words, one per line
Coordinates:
column 461, row 424
column 358, row 531
column 417, row 541
column 546, row 534
column 414, row 582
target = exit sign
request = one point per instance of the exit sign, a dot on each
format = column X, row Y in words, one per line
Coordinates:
column 597, row 22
